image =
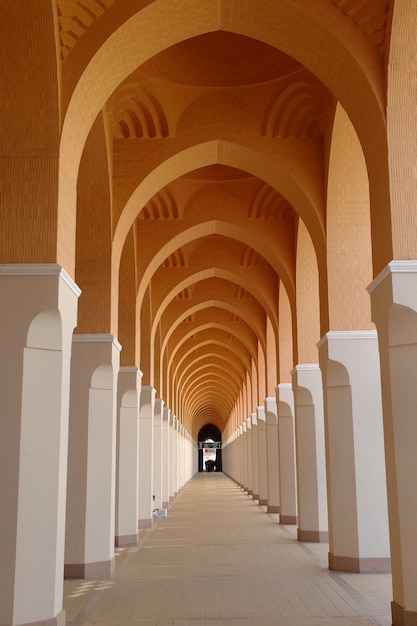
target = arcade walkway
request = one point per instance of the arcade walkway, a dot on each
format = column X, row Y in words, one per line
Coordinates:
column 220, row 559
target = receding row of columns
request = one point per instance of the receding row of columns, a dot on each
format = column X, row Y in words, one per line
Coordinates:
column 87, row 452
column 315, row 453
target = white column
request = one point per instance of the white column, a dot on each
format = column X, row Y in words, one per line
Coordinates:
column 172, row 421
column 310, row 457
column 356, row 487
column 244, row 453
column 287, row 465
column 262, row 456
column 175, row 455
column 146, row 420
column 394, row 311
column 180, row 457
column 157, row 453
column 127, row 475
column 239, row 456
column 166, row 467
column 272, row 455
column 255, row 457
column 38, row 313
column 90, row 522
column 249, row 458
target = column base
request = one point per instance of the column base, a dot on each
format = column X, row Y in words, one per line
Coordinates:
column 378, row 565
column 263, row 502
column 402, row 617
column 59, row 620
column 255, row 496
column 89, row 570
column 249, row 492
column 313, row 536
column 272, row 508
column 126, row 540
column 145, row 523
column 165, row 505
column 288, row 519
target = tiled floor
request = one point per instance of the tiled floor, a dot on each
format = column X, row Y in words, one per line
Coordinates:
column 220, row 559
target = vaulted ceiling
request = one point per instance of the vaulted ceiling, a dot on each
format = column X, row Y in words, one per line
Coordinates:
column 216, row 148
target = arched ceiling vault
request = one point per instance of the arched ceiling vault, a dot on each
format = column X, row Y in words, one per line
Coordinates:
column 217, row 118
column 184, row 299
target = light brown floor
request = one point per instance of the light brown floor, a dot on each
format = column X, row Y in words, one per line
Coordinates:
column 220, row 559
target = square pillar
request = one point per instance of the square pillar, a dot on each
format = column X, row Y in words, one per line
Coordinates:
column 166, row 468
column 127, row 476
column 394, row 311
column 38, row 314
column 157, row 453
column 310, row 453
column 146, row 421
column 262, row 456
column 286, row 455
column 90, row 522
column 356, row 484
column 272, row 455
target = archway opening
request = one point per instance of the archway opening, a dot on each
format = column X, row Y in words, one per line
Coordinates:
column 209, row 449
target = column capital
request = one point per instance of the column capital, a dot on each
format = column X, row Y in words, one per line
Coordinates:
column 131, row 369
column 347, row 335
column 394, row 267
column 96, row 338
column 39, row 269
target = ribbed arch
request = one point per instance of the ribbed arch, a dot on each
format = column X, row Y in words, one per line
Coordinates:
column 138, row 111
column 257, row 289
column 184, row 307
column 227, row 329
column 237, row 232
column 199, row 351
column 339, row 47
column 301, row 109
column 211, row 304
column 214, row 364
column 207, row 390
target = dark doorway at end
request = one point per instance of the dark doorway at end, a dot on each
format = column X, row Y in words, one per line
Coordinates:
column 209, row 435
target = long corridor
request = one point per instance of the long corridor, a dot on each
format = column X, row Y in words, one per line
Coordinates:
column 219, row 559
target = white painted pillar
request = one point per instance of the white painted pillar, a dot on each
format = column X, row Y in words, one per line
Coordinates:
column 255, row 457
column 272, row 454
column 229, row 467
column 239, row 456
column 38, row 313
column 310, row 454
column 287, row 464
column 166, row 467
column 394, row 311
column 171, row 456
column 236, row 456
column 180, row 457
column 249, row 458
column 188, row 457
column 127, row 474
column 244, row 452
column 195, row 456
column 356, row 484
column 262, row 456
column 90, row 522
column 175, row 455
column 157, row 453
column 146, row 421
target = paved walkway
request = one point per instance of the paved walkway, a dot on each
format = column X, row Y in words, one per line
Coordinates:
column 220, row 559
